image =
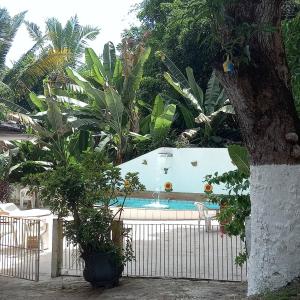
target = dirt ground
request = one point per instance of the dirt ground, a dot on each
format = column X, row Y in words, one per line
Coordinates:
column 130, row 288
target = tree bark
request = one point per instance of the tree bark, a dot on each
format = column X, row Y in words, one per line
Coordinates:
column 261, row 95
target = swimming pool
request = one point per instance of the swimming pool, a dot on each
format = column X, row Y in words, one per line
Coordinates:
column 171, row 204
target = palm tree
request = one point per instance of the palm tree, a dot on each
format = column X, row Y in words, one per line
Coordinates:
column 26, row 72
column 8, row 29
column 72, row 37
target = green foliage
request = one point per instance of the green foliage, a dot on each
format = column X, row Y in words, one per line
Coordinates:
column 235, row 206
column 111, row 87
column 240, row 157
column 291, row 30
column 156, row 126
column 8, row 29
column 72, row 36
column 161, row 120
column 5, row 163
column 212, row 108
column 75, row 189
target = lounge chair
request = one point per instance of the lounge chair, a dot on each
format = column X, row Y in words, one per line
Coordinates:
column 11, row 210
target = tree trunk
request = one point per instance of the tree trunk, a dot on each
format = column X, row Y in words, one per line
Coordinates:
column 261, row 95
column 5, row 191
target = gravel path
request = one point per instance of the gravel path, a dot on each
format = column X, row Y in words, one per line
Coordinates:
column 129, row 289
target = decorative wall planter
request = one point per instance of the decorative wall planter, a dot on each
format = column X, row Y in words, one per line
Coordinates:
column 168, row 187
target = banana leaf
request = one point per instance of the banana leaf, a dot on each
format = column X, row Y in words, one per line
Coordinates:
column 96, row 66
column 96, row 94
column 109, row 59
column 240, row 157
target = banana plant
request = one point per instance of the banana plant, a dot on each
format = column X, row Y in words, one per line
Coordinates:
column 58, row 141
column 110, row 86
column 208, row 105
column 157, row 125
column 105, row 110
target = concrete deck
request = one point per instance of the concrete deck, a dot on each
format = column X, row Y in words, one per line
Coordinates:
column 129, row 289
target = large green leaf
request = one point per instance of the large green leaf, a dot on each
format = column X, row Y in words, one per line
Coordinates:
column 46, row 165
column 54, row 116
column 163, row 123
column 138, row 69
column 115, row 108
column 85, row 122
column 134, row 77
column 158, row 109
column 227, row 109
column 80, row 142
column 240, row 157
column 177, row 75
column 38, row 101
column 145, row 124
column 212, row 94
column 187, row 116
column 197, row 91
column 109, row 59
column 185, row 92
column 96, row 94
column 71, row 101
column 95, row 64
column 118, row 75
column 180, row 83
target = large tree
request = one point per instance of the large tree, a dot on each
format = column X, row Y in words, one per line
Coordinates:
column 259, row 87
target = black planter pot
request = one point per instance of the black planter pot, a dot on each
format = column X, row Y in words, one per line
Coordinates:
column 102, row 269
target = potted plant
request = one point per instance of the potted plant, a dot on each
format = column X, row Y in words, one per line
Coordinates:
column 85, row 191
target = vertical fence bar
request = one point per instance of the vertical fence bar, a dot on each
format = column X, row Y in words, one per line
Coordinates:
column 148, row 248
column 37, row 263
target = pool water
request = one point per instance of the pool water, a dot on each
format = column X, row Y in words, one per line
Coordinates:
column 172, row 204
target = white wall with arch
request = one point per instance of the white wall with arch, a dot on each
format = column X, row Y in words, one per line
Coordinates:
column 187, row 168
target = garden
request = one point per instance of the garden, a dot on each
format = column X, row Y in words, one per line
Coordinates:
column 190, row 74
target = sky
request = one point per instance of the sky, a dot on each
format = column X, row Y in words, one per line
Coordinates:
column 111, row 16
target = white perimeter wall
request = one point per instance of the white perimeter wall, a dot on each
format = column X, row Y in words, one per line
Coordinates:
column 184, row 177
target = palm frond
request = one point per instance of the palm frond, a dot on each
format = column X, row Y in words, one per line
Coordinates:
column 34, row 32
column 8, row 29
column 36, row 70
column 55, row 33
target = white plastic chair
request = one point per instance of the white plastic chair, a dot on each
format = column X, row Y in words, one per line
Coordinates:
column 205, row 215
column 26, row 196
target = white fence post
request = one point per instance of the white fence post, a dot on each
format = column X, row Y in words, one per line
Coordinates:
column 57, row 248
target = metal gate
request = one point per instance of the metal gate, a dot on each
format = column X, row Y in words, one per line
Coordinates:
column 187, row 251
column 19, row 247
column 174, row 251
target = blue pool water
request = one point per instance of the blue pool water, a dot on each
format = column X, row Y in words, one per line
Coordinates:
column 172, row 204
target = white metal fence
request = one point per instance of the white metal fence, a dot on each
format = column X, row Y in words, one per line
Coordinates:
column 174, row 251
column 19, row 247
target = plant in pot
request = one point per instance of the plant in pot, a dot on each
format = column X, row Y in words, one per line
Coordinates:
column 86, row 191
